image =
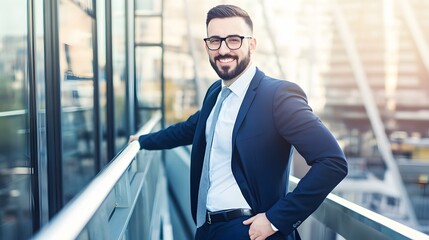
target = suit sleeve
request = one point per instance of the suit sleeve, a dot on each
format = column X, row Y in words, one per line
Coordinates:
column 299, row 126
column 179, row 134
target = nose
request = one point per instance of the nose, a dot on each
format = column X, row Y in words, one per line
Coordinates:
column 223, row 49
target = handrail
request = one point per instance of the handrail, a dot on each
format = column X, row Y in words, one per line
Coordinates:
column 343, row 217
column 366, row 224
column 72, row 219
column 19, row 112
column 13, row 113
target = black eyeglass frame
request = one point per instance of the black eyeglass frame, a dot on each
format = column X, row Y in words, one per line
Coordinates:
column 223, row 39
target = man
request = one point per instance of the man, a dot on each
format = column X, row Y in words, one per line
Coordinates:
column 242, row 149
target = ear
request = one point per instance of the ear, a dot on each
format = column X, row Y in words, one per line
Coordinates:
column 205, row 47
column 252, row 45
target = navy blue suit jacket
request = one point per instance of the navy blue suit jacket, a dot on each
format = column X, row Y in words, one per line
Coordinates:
column 273, row 117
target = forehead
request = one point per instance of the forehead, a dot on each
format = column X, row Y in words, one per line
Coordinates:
column 223, row 27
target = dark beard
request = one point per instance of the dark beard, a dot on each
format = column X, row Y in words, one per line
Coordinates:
column 223, row 72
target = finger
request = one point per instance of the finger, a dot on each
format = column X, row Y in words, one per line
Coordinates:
column 252, row 234
column 255, row 237
column 249, row 221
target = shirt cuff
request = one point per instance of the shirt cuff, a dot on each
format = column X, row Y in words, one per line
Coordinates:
column 274, row 228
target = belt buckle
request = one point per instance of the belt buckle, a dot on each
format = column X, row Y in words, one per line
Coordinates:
column 209, row 220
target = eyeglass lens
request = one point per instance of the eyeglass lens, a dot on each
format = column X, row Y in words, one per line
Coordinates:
column 233, row 42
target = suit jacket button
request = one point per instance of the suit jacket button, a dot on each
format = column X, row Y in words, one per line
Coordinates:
column 296, row 224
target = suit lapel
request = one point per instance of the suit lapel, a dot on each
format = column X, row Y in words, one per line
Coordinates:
column 208, row 104
column 210, row 101
column 247, row 102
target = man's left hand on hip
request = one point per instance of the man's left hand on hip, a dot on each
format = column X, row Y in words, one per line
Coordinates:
column 260, row 227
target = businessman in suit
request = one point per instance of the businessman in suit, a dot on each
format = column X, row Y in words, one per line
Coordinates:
column 241, row 151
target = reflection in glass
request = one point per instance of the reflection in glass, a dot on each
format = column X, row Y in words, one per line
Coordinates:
column 148, row 84
column 149, row 6
column 39, row 66
column 15, row 179
column 148, row 68
column 148, row 30
column 119, row 73
column 102, row 85
column 77, row 77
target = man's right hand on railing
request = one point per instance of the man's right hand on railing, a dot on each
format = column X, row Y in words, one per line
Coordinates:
column 133, row 138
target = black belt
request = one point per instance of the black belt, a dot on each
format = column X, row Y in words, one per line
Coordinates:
column 227, row 215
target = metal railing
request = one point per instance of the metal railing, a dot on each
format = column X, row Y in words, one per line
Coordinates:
column 352, row 221
column 126, row 200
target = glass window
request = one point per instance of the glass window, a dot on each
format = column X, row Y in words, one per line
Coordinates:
column 77, row 100
column 119, row 73
column 149, row 7
column 39, row 67
column 102, row 85
column 148, row 80
column 148, row 29
column 15, row 164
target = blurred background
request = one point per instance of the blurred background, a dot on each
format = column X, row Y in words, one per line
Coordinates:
column 78, row 77
column 365, row 68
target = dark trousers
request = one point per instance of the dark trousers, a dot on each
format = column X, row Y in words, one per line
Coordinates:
column 231, row 230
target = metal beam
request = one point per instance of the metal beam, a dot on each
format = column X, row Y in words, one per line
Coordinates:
column 416, row 31
column 53, row 107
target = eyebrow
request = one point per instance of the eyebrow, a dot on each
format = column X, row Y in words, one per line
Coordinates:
column 232, row 35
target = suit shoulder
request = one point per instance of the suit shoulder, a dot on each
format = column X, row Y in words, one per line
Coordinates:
column 279, row 83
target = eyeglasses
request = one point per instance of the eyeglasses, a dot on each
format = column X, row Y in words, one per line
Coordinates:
column 233, row 42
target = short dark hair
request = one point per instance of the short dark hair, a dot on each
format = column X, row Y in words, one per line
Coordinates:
column 227, row 11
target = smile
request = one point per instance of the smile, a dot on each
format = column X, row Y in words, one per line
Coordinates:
column 226, row 60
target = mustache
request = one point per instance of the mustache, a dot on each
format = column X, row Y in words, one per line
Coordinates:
column 225, row 56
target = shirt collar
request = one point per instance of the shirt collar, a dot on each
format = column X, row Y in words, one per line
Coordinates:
column 239, row 87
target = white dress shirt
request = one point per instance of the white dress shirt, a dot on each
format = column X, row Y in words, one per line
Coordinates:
column 224, row 192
